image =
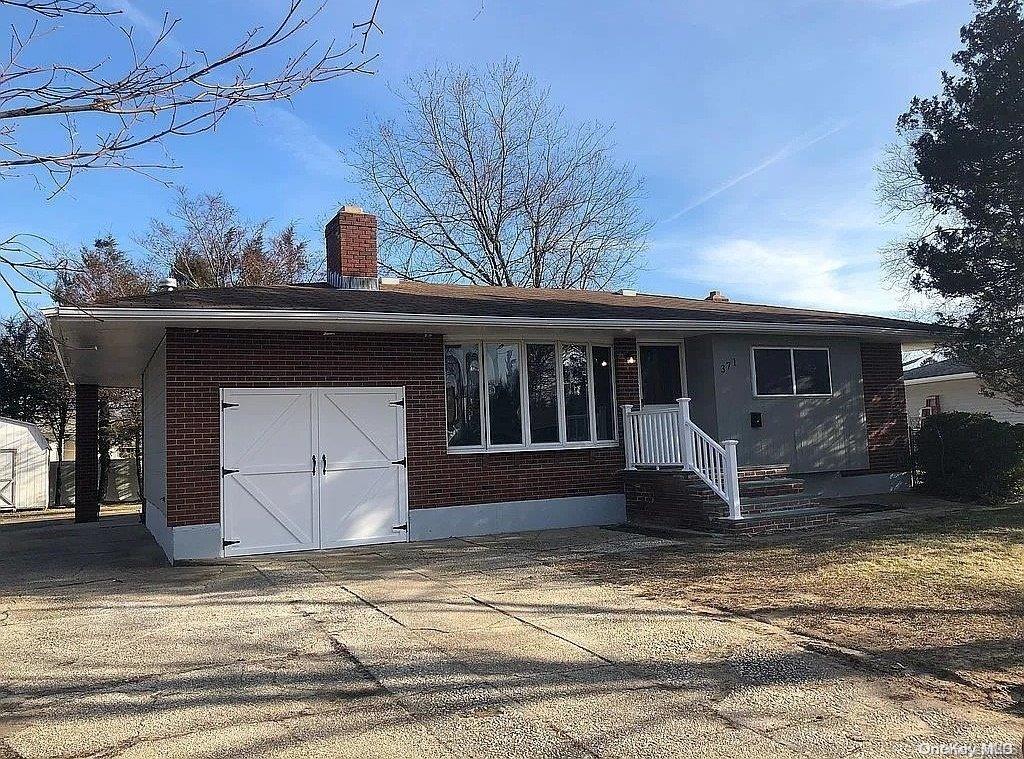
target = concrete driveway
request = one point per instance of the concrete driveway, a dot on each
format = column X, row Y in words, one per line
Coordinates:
column 485, row 647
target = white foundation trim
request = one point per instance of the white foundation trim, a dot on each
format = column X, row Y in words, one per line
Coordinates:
column 516, row 516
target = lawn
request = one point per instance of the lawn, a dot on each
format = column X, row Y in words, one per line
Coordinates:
column 943, row 595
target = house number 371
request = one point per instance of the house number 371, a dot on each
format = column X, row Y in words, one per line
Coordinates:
column 730, row 364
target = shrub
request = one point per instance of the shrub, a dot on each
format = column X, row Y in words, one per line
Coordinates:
column 971, row 456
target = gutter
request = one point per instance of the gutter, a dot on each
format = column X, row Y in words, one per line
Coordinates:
column 941, row 378
column 223, row 316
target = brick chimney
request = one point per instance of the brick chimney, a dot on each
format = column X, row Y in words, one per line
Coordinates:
column 717, row 296
column 352, row 249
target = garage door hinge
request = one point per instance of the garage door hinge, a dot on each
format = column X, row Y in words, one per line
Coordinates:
column 224, row 471
column 400, row 461
column 231, row 542
column 397, row 403
column 401, row 527
column 228, row 405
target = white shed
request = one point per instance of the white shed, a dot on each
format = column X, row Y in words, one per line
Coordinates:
column 24, row 466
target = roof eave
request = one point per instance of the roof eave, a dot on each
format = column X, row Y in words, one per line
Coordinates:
column 220, row 316
column 940, row 378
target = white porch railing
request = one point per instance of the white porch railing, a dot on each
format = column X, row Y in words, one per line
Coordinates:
column 667, row 437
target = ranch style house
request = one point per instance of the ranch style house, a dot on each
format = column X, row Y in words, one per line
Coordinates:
column 364, row 410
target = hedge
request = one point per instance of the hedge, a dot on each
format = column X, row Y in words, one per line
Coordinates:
column 971, row 456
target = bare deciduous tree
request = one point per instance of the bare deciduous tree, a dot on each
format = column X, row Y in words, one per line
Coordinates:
column 103, row 270
column 483, row 180
column 204, row 242
column 60, row 117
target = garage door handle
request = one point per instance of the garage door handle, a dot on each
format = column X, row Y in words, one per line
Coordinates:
column 314, row 464
column 323, row 464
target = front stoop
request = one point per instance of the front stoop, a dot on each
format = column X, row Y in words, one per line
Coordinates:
column 772, row 502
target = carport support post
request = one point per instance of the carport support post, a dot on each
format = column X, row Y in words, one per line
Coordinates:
column 87, row 463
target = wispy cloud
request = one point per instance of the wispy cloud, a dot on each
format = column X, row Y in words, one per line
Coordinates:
column 296, row 136
column 133, row 16
column 791, row 148
column 808, row 273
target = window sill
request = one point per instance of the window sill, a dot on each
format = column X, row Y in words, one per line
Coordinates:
column 540, row 447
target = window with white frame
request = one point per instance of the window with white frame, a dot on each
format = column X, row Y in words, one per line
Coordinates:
column 525, row 393
column 792, row 371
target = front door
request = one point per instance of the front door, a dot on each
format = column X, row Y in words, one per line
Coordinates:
column 7, row 487
column 311, row 468
column 661, row 374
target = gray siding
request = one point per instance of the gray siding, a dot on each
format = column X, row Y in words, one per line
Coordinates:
column 811, row 434
column 700, row 383
column 962, row 395
column 154, row 431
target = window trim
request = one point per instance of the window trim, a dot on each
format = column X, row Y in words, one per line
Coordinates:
column 681, row 346
column 527, row 445
column 792, row 370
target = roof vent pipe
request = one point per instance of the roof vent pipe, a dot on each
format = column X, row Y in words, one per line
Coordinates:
column 716, row 296
column 166, row 285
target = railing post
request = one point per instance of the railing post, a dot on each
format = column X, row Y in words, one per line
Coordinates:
column 686, row 443
column 627, row 436
column 732, row 478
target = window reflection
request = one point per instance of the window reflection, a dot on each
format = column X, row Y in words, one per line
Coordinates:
column 504, row 403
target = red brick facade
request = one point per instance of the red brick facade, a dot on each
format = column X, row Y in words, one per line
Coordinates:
column 885, row 406
column 200, row 362
column 352, row 245
column 87, row 462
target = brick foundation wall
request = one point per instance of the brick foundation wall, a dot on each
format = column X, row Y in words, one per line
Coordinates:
column 664, row 499
column 885, row 407
column 200, row 362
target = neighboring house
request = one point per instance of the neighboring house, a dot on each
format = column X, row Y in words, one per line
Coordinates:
column 950, row 386
column 368, row 410
column 24, row 466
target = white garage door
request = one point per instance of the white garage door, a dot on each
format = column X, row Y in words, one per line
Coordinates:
column 312, row 468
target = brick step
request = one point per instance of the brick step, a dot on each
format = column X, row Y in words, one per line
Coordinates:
column 753, row 488
column 763, row 471
column 774, row 522
column 777, row 486
column 759, row 472
column 763, row 504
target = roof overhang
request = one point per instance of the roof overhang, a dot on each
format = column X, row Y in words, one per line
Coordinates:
column 940, row 378
column 111, row 346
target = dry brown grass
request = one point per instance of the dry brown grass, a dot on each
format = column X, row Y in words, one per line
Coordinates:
column 943, row 594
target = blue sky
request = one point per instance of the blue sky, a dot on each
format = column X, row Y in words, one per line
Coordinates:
column 756, row 123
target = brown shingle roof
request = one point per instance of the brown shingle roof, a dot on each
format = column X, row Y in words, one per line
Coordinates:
column 942, row 368
column 472, row 300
